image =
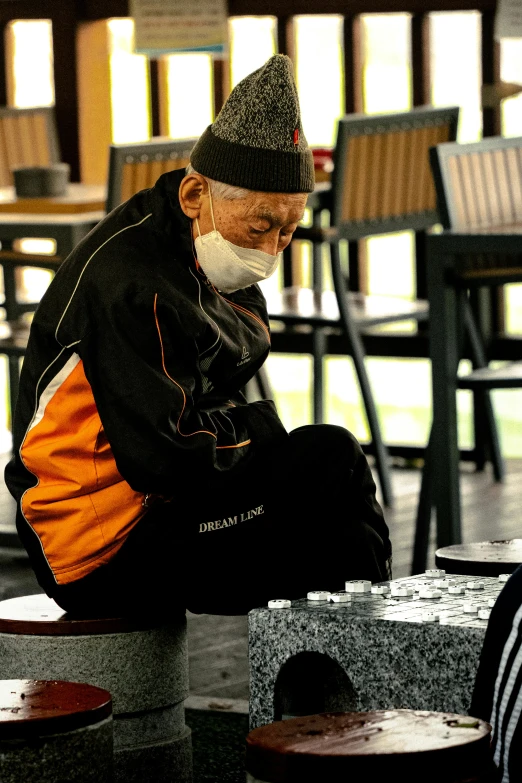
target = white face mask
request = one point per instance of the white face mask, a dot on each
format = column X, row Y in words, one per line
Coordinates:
column 228, row 266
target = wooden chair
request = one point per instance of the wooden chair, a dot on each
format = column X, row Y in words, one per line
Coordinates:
column 28, row 137
column 133, row 167
column 381, row 183
column 479, row 185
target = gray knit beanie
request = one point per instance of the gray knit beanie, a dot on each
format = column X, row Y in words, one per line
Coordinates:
column 257, row 141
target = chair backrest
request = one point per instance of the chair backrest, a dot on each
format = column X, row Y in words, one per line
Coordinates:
column 133, row 167
column 382, row 180
column 28, row 137
column 479, row 184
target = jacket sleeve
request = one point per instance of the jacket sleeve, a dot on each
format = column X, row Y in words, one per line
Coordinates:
column 144, row 372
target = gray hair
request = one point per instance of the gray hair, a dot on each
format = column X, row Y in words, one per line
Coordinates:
column 221, row 189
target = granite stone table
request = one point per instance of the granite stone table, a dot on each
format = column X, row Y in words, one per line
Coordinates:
column 373, row 651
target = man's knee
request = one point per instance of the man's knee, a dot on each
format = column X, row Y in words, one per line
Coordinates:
column 331, row 439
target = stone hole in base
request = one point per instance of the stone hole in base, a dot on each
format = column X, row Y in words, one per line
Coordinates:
column 312, row 682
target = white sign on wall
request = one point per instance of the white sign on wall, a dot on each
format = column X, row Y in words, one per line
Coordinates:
column 508, row 19
column 166, row 26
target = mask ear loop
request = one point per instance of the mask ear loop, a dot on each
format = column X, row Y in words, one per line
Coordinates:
column 211, row 211
column 211, row 207
column 198, row 266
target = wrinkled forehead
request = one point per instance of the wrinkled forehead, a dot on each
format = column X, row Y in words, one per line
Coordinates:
column 276, row 208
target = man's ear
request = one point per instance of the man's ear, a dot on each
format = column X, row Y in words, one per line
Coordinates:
column 191, row 189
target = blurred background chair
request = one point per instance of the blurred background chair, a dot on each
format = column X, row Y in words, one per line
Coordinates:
column 133, row 167
column 28, row 137
column 479, row 186
column 381, row 183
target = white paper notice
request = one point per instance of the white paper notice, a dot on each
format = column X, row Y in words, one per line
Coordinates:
column 163, row 26
column 508, row 19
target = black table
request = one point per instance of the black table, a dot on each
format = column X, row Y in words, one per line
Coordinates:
column 458, row 260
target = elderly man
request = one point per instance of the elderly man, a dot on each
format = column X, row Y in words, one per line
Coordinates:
column 143, row 476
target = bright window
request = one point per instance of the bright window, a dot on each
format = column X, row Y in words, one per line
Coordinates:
column 386, row 63
column 319, row 76
column 511, row 72
column 456, row 68
column 32, row 77
column 252, row 42
column 129, row 85
column 189, row 80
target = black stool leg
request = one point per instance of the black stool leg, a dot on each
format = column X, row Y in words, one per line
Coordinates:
column 319, row 349
column 259, row 387
column 424, row 511
column 264, row 385
column 319, row 337
column 489, row 425
column 356, row 350
column 10, row 300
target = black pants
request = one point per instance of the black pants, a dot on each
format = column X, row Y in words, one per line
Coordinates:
column 300, row 517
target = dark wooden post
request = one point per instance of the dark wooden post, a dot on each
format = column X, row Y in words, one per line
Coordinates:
column 421, row 93
column 154, row 90
column 292, row 254
column 63, row 18
column 3, row 75
column 492, row 126
column 352, row 57
column 490, row 52
column 353, row 102
column 285, row 36
column 220, row 75
column 420, row 59
column 487, row 303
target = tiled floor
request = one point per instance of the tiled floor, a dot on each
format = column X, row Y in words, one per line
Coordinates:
column 218, row 645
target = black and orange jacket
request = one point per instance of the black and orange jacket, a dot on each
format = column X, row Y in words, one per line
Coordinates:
column 132, row 361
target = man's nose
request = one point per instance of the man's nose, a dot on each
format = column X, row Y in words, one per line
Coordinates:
column 270, row 245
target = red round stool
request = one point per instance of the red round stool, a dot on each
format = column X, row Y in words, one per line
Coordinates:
column 55, row 732
column 410, row 746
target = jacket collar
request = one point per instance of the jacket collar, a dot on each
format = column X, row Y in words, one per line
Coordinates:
column 167, row 212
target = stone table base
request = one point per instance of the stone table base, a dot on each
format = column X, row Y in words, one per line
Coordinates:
column 374, row 652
